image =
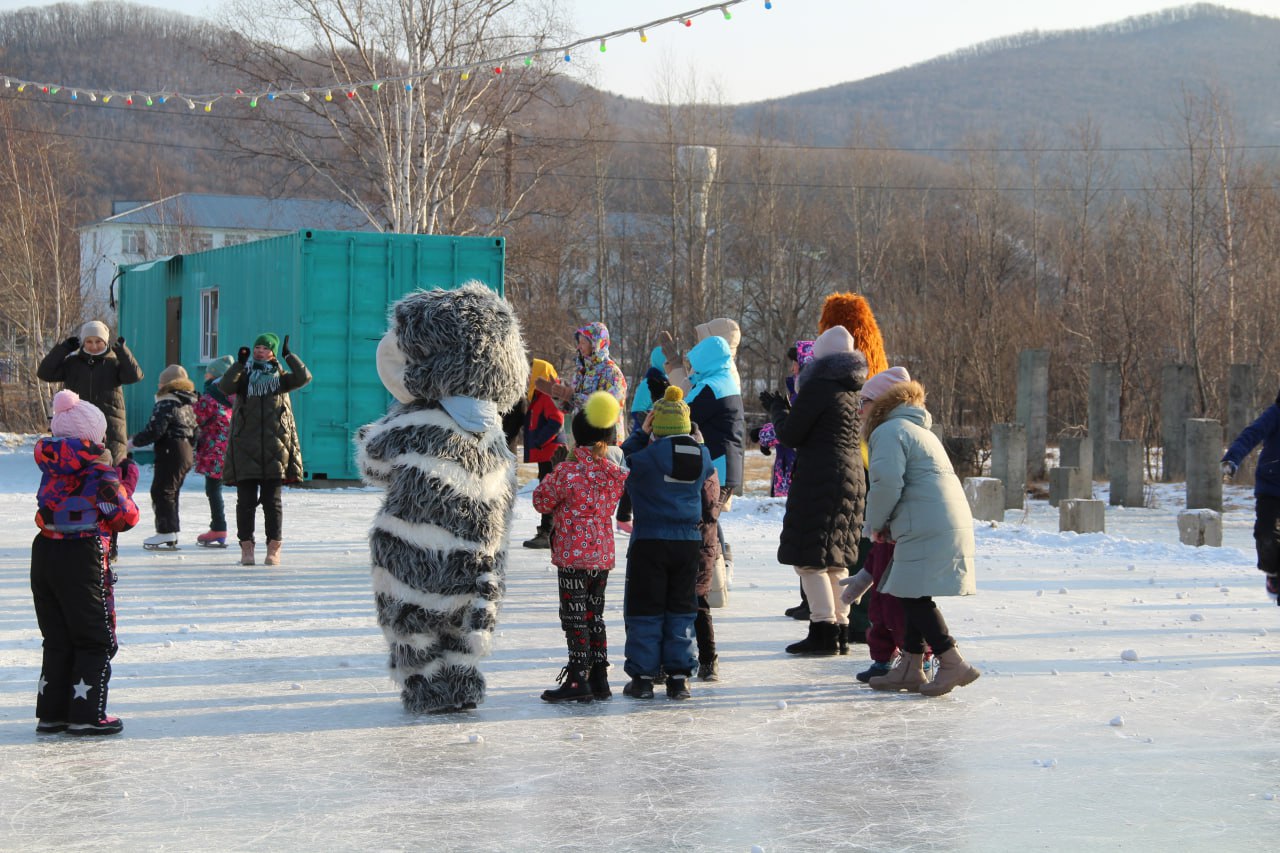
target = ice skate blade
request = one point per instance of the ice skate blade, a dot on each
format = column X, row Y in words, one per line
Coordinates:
column 212, row 544
column 146, row 547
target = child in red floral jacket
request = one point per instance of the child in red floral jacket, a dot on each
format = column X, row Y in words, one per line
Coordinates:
column 581, row 493
column 82, row 501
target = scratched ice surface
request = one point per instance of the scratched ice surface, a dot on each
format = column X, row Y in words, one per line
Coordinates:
column 259, row 716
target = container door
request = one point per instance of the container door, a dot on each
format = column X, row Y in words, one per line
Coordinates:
column 173, row 330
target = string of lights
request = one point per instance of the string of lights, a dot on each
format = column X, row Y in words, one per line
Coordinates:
column 351, row 89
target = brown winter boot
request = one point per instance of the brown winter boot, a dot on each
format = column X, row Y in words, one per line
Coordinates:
column 273, row 552
column 953, row 671
column 908, row 675
column 246, row 553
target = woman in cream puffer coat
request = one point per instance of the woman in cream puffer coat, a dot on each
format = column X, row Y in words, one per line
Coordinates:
column 915, row 500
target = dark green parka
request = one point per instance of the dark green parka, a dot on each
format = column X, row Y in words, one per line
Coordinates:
column 263, row 443
column 98, row 379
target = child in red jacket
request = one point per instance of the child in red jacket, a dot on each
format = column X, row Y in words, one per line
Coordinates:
column 581, row 493
column 82, row 501
column 543, row 422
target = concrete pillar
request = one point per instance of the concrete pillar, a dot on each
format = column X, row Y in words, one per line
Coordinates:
column 1104, row 411
column 1200, row 527
column 1076, row 451
column 1082, row 516
column 1124, row 467
column 1204, row 472
column 1240, row 413
column 1033, row 406
column 986, row 498
column 1009, row 462
column 1177, row 383
column 1068, row 484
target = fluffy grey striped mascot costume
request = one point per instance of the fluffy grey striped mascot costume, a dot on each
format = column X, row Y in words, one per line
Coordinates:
column 454, row 360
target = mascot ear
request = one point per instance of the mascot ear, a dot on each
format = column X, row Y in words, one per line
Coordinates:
column 391, row 366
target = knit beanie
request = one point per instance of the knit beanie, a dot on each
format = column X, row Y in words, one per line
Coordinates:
column 670, row 414
column 95, row 329
column 76, row 418
column 834, row 340
column 882, row 381
column 597, row 421
column 172, row 373
column 804, row 352
column 270, row 340
column 219, row 366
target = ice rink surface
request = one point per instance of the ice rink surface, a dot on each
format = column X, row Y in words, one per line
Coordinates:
column 259, row 715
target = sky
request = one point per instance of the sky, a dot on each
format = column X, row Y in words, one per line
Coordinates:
column 798, row 45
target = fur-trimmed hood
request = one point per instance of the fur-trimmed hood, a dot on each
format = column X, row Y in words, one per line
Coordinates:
column 848, row 368
column 171, row 388
column 854, row 313
column 904, row 393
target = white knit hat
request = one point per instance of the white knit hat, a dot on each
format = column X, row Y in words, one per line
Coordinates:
column 833, row 340
column 76, row 418
column 95, row 329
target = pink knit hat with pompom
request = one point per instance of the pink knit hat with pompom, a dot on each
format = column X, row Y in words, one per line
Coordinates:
column 76, row 418
column 883, row 381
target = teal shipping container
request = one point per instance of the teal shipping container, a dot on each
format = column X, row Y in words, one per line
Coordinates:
column 330, row 291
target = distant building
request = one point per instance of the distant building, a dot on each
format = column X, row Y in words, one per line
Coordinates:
column 192, row 222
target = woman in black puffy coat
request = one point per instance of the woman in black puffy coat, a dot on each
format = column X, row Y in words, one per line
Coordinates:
column 823, row 519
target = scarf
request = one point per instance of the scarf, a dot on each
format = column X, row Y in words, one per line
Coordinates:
column 264, row 378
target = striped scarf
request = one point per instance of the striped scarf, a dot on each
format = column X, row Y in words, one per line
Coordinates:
column 264, row 378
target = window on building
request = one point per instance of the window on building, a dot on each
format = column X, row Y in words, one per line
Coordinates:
column 133, row 242
column 234, row 239
column 201, row 241
column 208, row 325
column 167, row 242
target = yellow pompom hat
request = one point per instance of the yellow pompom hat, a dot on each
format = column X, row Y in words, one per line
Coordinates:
column 598, row 420
column 670, row 414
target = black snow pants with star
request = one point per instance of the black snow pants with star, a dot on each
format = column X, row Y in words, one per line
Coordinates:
column 75, row 608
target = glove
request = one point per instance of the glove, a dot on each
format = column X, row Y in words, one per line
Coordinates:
column 119, row 344
column 243, row 356
column 1228, row 471
column 768, row 399
column 284, row 347
column 657, row 387
column 72, row 343
column 560, row 454
column 856, row 586
column 669, row 349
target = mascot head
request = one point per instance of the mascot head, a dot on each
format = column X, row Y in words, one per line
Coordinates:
column 448, row 344
column 854, row 313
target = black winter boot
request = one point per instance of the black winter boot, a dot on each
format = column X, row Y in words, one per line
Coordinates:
column 639, row 687
column 822, row 640
column 678, row 687
column 573, row 687
column 598, row 680
column 842, row 639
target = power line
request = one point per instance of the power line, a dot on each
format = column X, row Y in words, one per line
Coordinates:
column 776, row 145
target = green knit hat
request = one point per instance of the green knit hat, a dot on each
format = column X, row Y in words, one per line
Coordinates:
column 670, row 414
column 270, row 340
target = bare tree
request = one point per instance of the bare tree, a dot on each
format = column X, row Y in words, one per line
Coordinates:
column 425, row 149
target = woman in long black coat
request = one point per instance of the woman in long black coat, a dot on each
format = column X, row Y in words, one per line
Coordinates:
column 823, row 519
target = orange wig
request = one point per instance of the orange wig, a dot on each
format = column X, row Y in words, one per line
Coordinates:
column 854, row 313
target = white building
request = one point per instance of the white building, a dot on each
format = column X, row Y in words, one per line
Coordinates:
column 192, row 222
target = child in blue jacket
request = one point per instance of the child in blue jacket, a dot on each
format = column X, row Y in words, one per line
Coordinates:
column 667, row 487
column 1266, row 488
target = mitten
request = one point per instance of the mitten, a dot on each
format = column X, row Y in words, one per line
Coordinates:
column 767, row 399
column 119, row 344
column 242, row 355
column 856, row 586
column 72, row 343
column 669, row 349
column 284, row 347
column 128, row 474
column 1229, row 469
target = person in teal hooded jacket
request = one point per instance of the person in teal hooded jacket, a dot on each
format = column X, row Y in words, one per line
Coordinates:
column 715, row 405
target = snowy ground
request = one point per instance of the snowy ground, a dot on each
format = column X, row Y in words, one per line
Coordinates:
column 259, row 716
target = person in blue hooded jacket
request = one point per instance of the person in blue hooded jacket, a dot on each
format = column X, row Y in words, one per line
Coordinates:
column 1266, row 488
column 715, row 405
column 655, row 376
